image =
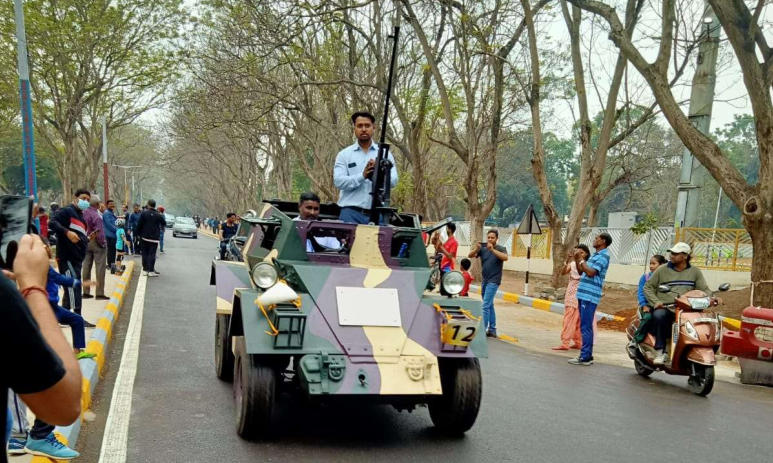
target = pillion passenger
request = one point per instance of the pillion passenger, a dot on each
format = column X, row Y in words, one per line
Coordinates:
column 353, row 171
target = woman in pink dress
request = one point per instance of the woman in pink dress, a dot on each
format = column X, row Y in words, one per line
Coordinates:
column 570, row 333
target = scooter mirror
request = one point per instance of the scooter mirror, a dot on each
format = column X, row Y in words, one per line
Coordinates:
column 664, row 289
column 724, row 286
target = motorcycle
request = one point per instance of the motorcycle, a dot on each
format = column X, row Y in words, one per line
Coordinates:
column 695, row 339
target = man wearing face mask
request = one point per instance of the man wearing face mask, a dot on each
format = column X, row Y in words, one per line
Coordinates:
column 72, row 240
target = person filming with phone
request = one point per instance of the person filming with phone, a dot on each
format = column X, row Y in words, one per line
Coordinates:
column 492, row 257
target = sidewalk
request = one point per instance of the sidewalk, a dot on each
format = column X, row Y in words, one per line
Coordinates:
column 539, row 331
column 97, row 341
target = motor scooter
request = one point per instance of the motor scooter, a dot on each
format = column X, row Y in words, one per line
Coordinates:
column 695, row 339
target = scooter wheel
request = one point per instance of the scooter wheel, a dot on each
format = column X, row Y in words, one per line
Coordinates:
column 703, row 381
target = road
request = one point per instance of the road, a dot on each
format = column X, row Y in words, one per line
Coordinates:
column 535, row 407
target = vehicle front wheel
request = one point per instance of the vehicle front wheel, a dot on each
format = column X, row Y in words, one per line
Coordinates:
column 255, row 392
column 702, row 382
column 455, row 411
column 224, row 357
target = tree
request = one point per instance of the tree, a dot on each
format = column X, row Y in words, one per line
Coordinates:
column 101, row 58
column 744, row 32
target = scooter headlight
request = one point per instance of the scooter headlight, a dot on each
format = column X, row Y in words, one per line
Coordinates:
column 690, row 330
column 264, row 275
column 699, row 303
column 453, row 282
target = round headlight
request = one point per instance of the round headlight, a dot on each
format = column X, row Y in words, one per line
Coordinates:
column 264, row 275
column 453, row 282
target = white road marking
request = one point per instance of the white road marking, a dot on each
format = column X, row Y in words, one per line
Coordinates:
column 115, row 438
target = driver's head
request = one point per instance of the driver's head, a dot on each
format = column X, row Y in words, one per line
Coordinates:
column 308, row 206
column 680, row 252
column 230, row 217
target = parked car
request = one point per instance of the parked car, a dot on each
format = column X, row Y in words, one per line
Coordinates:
column 185, row 226
column 169, row 220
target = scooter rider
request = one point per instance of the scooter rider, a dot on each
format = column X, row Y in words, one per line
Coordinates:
column 680, row 277
column 227, row 231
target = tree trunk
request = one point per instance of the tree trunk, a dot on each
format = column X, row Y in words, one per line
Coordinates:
column 476, row 236
column 760, row 228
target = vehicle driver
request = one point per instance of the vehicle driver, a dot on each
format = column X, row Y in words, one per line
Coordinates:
column 226, row 231
column 681, row 277
column 308, row 209
column 354, row 168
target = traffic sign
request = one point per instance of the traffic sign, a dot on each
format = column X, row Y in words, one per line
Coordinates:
column 529, row 224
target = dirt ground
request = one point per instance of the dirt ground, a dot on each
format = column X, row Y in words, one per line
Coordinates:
column 620, row 299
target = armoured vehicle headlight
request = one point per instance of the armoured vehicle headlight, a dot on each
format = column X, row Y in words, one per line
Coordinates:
column 453, row 282
column 264, row 275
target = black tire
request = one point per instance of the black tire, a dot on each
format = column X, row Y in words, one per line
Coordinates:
column 434, row 279
column 224, row 357
column 255, row 393
column 703, row 381
column 642, row 370
column 455, row 411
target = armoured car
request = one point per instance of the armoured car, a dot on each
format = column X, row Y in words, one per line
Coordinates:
column 347, row 322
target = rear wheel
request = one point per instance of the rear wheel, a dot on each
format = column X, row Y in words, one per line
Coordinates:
column 255, row 392
column 702, row 382
column 455, row 411
column 224, row 357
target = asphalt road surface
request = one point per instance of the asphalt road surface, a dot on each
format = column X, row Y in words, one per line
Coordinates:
column 536, row 408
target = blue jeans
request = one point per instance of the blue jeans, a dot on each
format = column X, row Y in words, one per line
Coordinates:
column 350, row 215
column 74, row 321
column 587, row 312
column 161, row 240
column 489, row 315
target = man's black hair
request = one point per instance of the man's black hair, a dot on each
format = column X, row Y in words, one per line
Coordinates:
column 494, row 231
column 308, row 196
column 451, row 226
column 363, row 114
column 82, row 191
column 229, row 215
column 152, row 203
column 465, row 263
column 109, row 201
column 136, row 205
column 606, row 237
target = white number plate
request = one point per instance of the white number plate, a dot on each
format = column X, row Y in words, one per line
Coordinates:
column 368, row 306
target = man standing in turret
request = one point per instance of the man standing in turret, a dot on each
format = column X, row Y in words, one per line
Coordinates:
column 353, row 171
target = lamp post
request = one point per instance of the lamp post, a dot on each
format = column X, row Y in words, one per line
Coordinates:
column 126, row 182
column 28, row 143
column 104, row 159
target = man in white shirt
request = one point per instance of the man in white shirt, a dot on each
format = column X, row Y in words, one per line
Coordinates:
column 308, row 209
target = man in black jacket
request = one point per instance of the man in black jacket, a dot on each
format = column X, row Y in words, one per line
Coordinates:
column 149, row 227
column 71, row 239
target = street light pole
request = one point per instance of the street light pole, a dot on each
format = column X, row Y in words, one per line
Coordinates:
column 28, row 142
column 701, row 102
column 126, row 196
column 104, row 159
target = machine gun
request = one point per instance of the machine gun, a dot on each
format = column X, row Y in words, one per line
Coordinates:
column 382, row 174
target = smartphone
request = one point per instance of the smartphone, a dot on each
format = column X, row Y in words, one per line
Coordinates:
column 15, row 219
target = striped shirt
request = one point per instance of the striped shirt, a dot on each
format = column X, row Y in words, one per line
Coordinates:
column 590, row 286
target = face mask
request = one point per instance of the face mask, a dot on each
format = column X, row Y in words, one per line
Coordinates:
column 83, row 204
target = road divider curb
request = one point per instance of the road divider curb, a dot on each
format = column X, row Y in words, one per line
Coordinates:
column 542, row 304
column 91, row 368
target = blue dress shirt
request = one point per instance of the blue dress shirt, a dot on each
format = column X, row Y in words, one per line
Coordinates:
column 347, row 175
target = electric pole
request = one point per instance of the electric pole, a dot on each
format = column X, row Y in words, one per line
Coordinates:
column 701, row 102
column 28, row 142
column 104, row 159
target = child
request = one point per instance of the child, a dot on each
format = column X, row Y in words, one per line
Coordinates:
column 64, row 316
column 467, row 277
column 571, row 328
column 122, row 243
column 655, row 261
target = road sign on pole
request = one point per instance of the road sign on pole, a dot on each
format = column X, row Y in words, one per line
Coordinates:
column 28, row 143
column 529, row 226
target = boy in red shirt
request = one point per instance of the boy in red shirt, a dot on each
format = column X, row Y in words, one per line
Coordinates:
column 465, row 264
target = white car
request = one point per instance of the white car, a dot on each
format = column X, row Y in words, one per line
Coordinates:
column 184, row 226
